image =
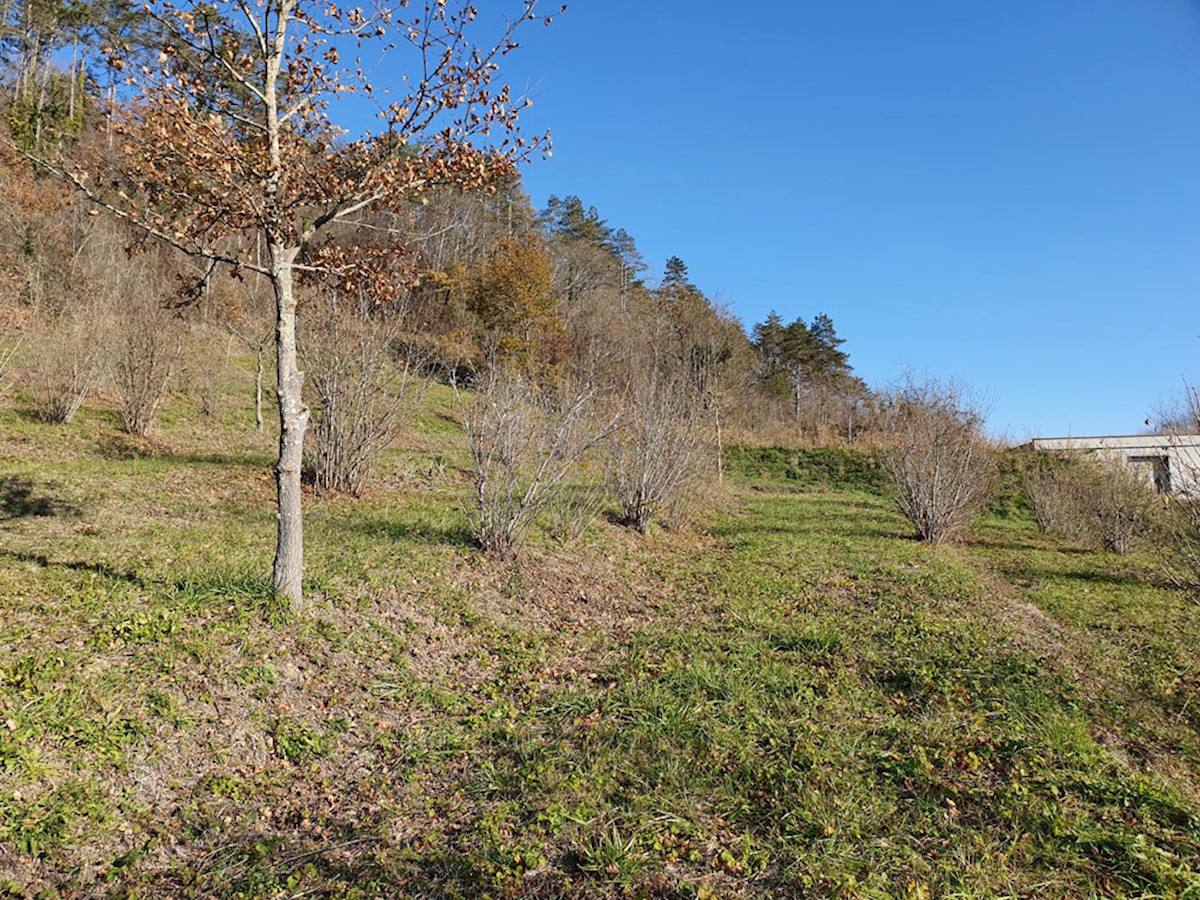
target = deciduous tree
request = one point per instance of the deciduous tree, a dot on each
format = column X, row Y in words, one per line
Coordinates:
column 230, row 139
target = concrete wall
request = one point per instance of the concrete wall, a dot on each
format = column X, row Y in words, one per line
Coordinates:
column 1171, row 461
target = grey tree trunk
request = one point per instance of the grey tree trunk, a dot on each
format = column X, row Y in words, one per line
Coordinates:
column 258, row 385
column 293, row 420
column 720, row 442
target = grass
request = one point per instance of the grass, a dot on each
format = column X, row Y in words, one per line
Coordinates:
column 792, row 699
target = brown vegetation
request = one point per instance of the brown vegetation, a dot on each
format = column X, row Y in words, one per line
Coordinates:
column 363, row 383
column 526, row 443
column 939, row 458
column 1093, row 500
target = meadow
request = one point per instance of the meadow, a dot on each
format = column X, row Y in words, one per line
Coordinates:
column 789, row 697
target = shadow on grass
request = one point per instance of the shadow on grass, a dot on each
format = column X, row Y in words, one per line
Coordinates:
column 457, row 535
column 127, row 447
column 20, row 499
column 985, row 545
column 250, row 865
column 1093, row 577
column 222, row 460
column 102, row 569
column 842, row 529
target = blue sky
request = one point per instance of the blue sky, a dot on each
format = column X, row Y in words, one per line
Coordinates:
column 1003, row 192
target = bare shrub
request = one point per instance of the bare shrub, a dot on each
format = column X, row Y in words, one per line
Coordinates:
column 573, row 508
column 148, row 358
column 1179, row 547
column 1179, row 532
column 364, row 391
column 1118, row 504
column 659, row 452
column 1052, row 488
column 526, row 443
column 65, row 364
column 938, row 457
column 1092, row 499
column 10, row 346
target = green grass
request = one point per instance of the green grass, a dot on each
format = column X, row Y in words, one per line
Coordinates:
column 794, row 699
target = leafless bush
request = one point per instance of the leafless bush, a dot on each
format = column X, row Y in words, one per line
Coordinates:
column 1119, row 504
column 65, row 364
column 1179, row 538
column 148, row 358
column 942, row 464
column 1180, row 545
column 1052, row 489
column 659, row 452
column 8, row 352
column 364, row 392
column 526, row 443
column 1093, row 499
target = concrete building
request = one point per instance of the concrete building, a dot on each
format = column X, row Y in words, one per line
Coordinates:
column 1170, row 461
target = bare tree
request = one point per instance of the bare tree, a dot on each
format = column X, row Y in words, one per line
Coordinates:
column 230, row 136
column 526, row 442
column 364, row 384
column 9, row 348
column 245, row 310
column 938, row 457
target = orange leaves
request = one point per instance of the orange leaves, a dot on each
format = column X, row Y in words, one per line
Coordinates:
column 232, row 130
column 513, row 296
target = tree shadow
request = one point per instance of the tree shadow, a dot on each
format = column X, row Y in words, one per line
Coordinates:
column 20, row 499
column 103, row 569
column 1096, row 577
column 458, row 535
column 122, row 447
column 251, row 460
column 126, row 447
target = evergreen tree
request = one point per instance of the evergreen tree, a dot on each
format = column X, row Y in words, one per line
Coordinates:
column 796, row 358
column 675, row 277
column 567, row 218
column 828, row 361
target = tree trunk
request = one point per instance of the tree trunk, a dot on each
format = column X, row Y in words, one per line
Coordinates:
column 258, row 384
column 720, row 443
column 293, row 420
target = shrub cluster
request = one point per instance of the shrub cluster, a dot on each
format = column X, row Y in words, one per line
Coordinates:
column 1092, row 499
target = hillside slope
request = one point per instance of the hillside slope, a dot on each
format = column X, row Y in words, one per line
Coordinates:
column 794, row 700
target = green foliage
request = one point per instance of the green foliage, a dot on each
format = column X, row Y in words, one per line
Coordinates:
column 1009, row 499
column 829, row 468
column 299, row 744
column 49, row 114
column 793, row 358
column 37, row 825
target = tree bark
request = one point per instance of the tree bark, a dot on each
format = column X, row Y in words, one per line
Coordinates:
column 258, row 384
column 293, row 420
column 720, row 443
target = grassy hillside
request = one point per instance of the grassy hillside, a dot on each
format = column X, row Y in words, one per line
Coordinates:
column 794, row 699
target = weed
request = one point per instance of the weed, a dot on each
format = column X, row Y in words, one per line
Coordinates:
column 299, row 744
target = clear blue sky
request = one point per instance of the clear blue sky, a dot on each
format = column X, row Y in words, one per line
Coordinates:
column 1003, row 192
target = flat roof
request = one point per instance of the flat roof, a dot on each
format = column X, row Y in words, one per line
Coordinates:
column 1135, row 440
